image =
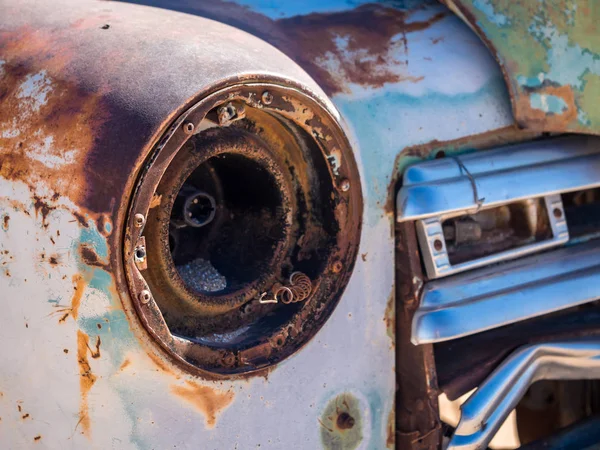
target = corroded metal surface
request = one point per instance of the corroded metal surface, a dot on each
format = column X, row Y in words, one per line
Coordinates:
column 319, row 230
column 549, row 53
column 85, row 94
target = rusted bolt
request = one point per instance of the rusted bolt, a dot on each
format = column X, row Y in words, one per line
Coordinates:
column 437, row 244
column 345, row 185
column 345, row 421
column 267, row 98
column 188, row 127
column 228, row 359
column 145, row 296
column 139, row 220
column 230, row 113
column 337, row 267
column 557, row 213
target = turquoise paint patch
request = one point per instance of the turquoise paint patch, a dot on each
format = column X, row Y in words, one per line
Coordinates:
column 568, row 63
column 548, row 103
column 490, row 13
column 91, row 236
column 530, row 82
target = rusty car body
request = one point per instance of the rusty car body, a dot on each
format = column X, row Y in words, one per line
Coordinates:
column 311, row 112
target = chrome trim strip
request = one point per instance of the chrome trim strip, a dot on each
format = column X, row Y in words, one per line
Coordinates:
column 535, row 169
column 518, row 290
column 487, row 409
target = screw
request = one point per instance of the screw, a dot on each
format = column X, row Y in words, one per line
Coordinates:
column 188, row 127
column 139, row 220
column 337, row 267
column 267, row 98
column 145, row 296
column 345, row 185
column 437, row 244
column 557, row 213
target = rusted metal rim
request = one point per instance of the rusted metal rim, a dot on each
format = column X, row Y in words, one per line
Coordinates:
column 300, row 115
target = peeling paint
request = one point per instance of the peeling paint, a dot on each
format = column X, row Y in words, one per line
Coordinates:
column 541, row 46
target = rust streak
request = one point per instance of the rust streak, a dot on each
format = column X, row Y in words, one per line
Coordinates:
column 76, row 300
column 86, row 381
column 209, row 401
column 125, row 364
column 96, row 351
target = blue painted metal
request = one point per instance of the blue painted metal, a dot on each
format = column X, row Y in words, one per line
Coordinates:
column 408, row 80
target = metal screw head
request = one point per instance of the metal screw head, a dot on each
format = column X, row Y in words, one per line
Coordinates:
column 267, row 98
column 188, row 127
column 345, row 185
column 337, row 267
column 145, row 296
column 139, row 220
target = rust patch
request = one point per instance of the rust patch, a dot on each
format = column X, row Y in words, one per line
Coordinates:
column 53, row 260
column 353, row 47
column 390, row 441
column 538, row 119
column 5, row 222
column 390, row 318
column 47, row 125
column 86, row 381
column 91, row 258
column 209, row 401
column 357, row 46
column 95, row 352
column 37, row 438
column 75, row 301
column 159, row 363
column 341, row 423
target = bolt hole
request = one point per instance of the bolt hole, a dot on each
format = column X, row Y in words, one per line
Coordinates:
column 437, row 244
column 440, row 154
column 345, row 421
column 557, row 213
column 140, row 253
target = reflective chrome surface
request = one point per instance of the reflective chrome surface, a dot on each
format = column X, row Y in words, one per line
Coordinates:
column 485, row 411
column 456, row 185
column 437, row 262
column 492, row 297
